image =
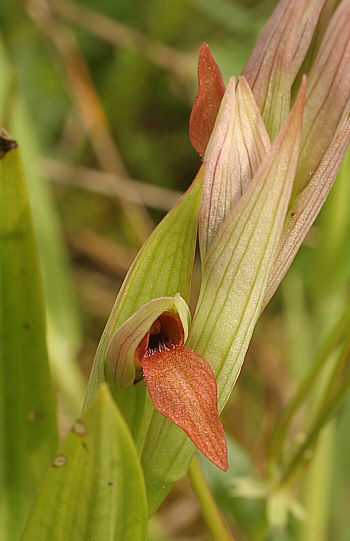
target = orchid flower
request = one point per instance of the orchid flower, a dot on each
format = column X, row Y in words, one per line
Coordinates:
column 272, row 145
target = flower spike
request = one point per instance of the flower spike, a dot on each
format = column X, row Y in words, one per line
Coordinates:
column 268, row 168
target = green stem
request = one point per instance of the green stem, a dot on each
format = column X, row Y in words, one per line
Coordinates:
column 335, row 383
column 211, row 514
column 280, row 431
column 332, row 401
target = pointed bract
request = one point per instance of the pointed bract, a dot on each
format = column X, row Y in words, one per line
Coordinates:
column 305, row 31
column 328, row 97
column 216, row 184
column 305, row 210
column 268, row 69
column 253, row 141
column 162, row 268
column 211, row 89
column 237, row 146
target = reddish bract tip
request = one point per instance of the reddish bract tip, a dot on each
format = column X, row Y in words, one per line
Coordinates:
column 206, row 106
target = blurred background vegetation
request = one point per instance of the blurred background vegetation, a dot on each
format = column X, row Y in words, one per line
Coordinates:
column 98, row 96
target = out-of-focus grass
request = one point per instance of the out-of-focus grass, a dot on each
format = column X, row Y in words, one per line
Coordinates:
column 109, row 89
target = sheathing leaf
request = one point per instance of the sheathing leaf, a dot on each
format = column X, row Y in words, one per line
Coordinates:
column 237, row 266
column 162, row 268
column 95, row 487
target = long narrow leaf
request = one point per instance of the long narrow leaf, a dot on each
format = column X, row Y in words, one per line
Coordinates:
column 63, row 333
column 28, row 436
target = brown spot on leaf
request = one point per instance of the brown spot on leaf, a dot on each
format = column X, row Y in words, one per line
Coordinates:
column 59, row 461
column 79, row 428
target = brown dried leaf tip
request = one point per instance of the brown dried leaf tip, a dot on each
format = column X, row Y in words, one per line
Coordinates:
column 182, row 386
column 6, row 143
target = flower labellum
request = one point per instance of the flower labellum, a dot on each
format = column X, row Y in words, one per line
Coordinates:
column 180, row 383
column 182, row 387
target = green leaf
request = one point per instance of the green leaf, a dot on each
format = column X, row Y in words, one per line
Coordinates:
column 95, row 488
column 28, row 436
column 163, row 266
column 63, row 332
column 63, row 326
